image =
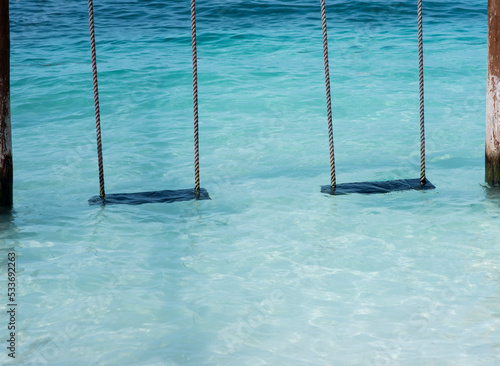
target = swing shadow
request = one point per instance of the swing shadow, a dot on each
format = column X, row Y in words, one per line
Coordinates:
column 378, row 187
column 140, row 198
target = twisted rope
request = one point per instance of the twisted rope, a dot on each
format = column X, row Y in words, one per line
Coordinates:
column 195, row 101
column 421, row 85
column 96, row 100
column 333, row 180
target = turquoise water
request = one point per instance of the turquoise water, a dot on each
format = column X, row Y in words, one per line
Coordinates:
column 270, row 271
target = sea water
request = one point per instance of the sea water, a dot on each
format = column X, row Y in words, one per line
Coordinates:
column 270, row 271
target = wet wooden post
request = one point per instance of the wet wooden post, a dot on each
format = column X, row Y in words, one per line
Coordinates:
column 6, row 171
column 492, row 160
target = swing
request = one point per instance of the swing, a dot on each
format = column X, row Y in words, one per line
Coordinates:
column 383, row 186
column 164, row 196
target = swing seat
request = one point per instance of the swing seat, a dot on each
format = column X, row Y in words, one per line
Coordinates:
column 379, row 187
column 140, row 198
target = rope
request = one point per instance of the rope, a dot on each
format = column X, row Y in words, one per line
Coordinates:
column 195, row 101
column 333, row 180
column 421, row 82
column 96, row 100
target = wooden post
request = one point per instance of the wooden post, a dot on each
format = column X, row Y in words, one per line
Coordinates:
column 492, row 160
column 6, row 171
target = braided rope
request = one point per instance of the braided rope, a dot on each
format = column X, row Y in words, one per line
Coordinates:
column 333, row 179
column 96, row 100
column 195, row 101
column 421, row 85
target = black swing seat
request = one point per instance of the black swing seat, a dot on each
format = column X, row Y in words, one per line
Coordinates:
column 139, row 198
column 379, row 187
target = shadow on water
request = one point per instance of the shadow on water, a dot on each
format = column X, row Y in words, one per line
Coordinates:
column 492, row 193
column 7, row 217
column 8, row 233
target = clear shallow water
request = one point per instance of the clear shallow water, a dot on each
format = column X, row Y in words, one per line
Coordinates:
column 269, row 271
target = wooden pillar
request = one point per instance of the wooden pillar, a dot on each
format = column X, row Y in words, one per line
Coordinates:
column 6, row 171
column 493, row 95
